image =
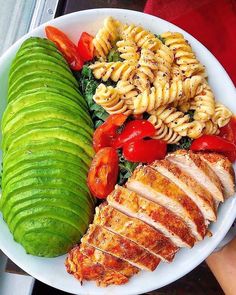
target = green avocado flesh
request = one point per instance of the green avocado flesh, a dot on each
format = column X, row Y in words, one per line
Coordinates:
column 47, row 150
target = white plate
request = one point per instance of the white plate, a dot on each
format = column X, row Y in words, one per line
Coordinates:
column 52, row 271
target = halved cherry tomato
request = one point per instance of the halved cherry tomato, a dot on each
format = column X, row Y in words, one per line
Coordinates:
column 229, row 131
column 105, row 133
column 145, row 151
column 134, row 130
column 66, row 46
column 85, row 46
column 103, row 172
column 216, row 144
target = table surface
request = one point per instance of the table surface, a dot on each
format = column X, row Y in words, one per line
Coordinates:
column 198, row 282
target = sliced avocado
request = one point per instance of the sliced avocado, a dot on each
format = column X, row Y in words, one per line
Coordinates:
column 47, row 200
column 37, row 65
column 41, row 74
column 46, row 243
column 9, row 137
column 37, row 56
column 50, row 223
column 51, row 211
column 33, row 41
column 61, row 133
column 48, row 84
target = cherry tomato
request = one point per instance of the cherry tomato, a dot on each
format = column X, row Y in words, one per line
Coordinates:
column 66, row 46
column 134, row 130
column 229, row 131
column 85, row 46
column 105, row 133
column 145, row 151
column 103, row 172
column 216, row 144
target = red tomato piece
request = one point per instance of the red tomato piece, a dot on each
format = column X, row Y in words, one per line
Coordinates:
column 103, row 172
column 134, row 130
column 229, row 131
column 215, row 144
column 105, row 133
column 66, row 46
column 85, row 46
column 145, row 151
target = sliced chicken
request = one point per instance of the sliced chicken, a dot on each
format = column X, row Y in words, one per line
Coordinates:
column 152, row 213
column 223, row 169
column 108, row 261
column 154, row 186
column 120, row 247
column 83, row 268
column 135, row 230
column 198, row 169
column 199, row 194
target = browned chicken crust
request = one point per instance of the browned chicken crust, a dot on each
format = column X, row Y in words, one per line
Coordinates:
column 141, row 207
column 153, row 185
column 120, row 247
column 135, row 230
column 83, row 268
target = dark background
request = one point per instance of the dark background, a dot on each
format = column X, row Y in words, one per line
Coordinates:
column 198, row 282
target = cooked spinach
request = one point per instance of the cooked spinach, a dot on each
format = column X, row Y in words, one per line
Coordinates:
column 184, row 143
column 126, row 168
column 114, row 55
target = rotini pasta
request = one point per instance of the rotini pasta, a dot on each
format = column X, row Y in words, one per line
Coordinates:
column 164, row 132
column 195, row 129
column 204, row 104
column 142, row 38
column 113, row 70
column 128, row 49
column 109, row 99
column 147, row 64
column 184, row 56
column 211, row 128
column 222, row 115
column 174, row 119
column 127, row 91
column 105, row 36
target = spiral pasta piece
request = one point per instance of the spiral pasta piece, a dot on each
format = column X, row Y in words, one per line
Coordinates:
column 128, row 49
column 211, row 128
column 222, row 115
column 113, row 70
column 195, row 129
column 163, row 131
column 174, row 119
column 142, row 37
column 176, row 73
column 204, row 104
column 184, row 55
column 127, row 91
column 105, row 36
column 109, row 99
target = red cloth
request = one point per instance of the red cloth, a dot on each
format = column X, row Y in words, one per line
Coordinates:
column 212, row 22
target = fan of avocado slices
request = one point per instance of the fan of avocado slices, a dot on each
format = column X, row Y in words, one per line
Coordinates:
column 47, row 150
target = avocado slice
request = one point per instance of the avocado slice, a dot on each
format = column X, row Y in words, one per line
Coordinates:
column 46, row 243
column 43, row 65
column 9, row 137
column 42, row 42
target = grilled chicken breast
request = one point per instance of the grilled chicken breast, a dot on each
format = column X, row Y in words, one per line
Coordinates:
column 193, row 165
column 152, row 213
column 199, row 194
column 164, row 206
column 84, row 268
column 154, row 186
column 223, row 169
column 108, row 261
column 135, row 230
column 120, row 247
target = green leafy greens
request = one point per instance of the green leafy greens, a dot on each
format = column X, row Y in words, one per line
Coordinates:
column 114, row 55
column 183, row 144
column 126, row 168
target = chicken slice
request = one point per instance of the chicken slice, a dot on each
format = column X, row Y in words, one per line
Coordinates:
column 192, row 164
column 223, row 169
column 154, row 186
column 83, row 268
column 135, row 230
column 108, row 261
column 201, row 196
column 120, row 247
column 152, row 213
